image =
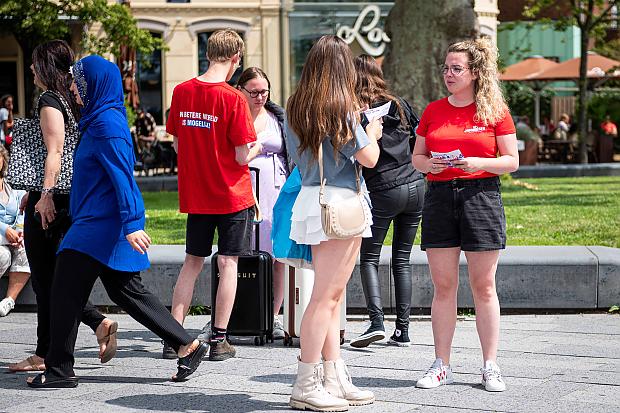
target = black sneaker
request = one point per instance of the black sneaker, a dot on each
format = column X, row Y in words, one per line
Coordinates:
column 221, row 350
column 400, row 338
column 374, row 333
column 168, row 353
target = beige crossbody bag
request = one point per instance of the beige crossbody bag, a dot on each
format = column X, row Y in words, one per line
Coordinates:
column 344, row 218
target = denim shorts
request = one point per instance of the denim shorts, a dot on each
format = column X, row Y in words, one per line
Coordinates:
column 465, row 213
column 234, row 233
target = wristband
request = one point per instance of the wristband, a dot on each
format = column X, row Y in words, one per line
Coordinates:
column 46, row 191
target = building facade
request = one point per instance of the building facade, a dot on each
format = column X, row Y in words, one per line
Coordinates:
column 277, row 34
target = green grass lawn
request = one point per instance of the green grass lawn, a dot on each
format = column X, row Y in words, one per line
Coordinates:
column 547, row 211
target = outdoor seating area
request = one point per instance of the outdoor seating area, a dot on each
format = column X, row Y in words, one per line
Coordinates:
column 156, row 157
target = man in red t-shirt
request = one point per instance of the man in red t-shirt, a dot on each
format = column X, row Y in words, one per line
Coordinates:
column 215, row 140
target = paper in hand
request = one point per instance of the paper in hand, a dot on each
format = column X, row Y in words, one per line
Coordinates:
column 448, row 156
column 375, row 113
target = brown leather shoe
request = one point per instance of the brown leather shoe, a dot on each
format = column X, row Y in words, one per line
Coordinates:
column 221, row 350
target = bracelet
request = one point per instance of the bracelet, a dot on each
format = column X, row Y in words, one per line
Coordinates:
column 46, row 191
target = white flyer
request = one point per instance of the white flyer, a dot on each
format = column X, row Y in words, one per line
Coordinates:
column 379, row 112
column 448, row 156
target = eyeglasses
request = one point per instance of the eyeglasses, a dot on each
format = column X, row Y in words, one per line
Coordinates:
column 254, row 93
column 455, row 70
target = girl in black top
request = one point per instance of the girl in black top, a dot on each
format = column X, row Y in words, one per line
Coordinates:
column 397, row 193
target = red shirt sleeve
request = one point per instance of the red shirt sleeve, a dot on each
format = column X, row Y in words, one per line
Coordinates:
column 173, row 116
column 423, row 126
column 241, row 126
column 506, row 126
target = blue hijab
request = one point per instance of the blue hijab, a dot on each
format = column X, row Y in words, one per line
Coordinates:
column 100, row 87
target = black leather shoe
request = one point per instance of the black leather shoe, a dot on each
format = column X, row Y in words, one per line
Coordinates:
column 188, row 364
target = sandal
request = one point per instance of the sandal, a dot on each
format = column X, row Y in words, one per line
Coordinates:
column 29, row 364
column 41, row 381
column 188, row 364
column 110, row 341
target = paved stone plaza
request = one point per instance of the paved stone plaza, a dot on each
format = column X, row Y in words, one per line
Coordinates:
column 551, row 363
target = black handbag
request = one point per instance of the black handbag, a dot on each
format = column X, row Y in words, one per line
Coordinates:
column 28, row 152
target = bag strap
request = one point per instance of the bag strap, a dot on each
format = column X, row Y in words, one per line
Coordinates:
column 324, row 181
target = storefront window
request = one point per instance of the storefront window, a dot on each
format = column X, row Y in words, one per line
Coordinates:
column 203, row 62
column 149, row 78
column 360, row 23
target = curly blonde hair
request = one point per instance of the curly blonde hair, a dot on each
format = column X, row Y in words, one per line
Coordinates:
column 482, row 59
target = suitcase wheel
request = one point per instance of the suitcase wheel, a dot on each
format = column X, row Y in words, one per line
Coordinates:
column 259, row 340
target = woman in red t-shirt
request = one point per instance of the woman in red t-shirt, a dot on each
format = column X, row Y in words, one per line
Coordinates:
column 464, row 142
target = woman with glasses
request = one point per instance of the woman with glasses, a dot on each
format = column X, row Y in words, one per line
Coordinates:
column 272, row 163
column 463, row 143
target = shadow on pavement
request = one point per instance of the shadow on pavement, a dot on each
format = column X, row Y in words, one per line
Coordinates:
column 196, row 402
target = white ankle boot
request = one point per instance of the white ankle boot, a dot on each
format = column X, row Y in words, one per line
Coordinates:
column 309, row 393
column 338, row 382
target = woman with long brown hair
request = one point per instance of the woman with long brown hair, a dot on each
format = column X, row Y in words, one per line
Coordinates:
column 397, row 193
column 46, row 213
column 464, row 142
column 323, row 115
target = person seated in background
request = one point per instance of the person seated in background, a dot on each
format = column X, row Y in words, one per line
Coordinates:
column 12, row 253
column 609, row 132
column 145, row 129
column 6, row 119
column 561, row 131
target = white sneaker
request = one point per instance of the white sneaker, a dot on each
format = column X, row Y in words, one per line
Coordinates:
column 437, row 375
column 492, row 377
column 278, row 328
column 6, row 306
column 205, row 334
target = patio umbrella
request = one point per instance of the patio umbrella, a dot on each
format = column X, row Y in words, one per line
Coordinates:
column 599, row 67
column 527, row 70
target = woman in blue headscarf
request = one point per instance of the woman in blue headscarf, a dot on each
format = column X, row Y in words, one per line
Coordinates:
column 107, row 238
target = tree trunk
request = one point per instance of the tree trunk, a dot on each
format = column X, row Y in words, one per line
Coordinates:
column 420, row 32
column 582, row 107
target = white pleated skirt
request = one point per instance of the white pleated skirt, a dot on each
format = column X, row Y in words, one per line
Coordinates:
column 306, row 227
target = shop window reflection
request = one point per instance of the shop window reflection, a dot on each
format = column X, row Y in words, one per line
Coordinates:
column 149, row 78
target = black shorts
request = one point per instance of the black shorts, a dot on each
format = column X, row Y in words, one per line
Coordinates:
column 234, row 233
column 465, row 213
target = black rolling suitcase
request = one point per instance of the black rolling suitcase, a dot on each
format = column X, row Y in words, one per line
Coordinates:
column 252, row 313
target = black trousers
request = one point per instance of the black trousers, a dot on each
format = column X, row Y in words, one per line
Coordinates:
column 76, row 274
column 41, row 247
column 403, row 206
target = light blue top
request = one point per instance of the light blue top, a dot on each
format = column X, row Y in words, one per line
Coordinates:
column 340, row 174
column 9, row 213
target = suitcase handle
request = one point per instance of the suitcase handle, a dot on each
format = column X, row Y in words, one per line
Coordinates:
column 257, row 192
